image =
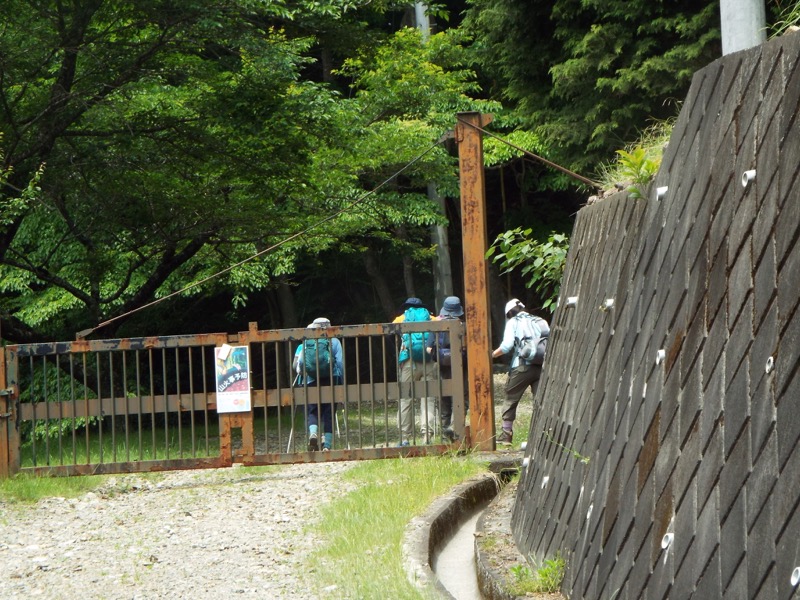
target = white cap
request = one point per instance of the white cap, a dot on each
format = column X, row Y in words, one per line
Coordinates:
column 322, row 322
column 513, row 303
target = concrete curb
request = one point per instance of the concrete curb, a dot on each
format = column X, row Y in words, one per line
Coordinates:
column 426, row 534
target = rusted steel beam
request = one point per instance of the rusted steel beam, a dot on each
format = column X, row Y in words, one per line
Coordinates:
column 117, row 468
column 340, row 455
column 476, row 291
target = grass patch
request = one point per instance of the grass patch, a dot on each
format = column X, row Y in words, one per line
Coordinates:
column 27, row 488
column 361, row 533
column 545, row 579
column 638, row 163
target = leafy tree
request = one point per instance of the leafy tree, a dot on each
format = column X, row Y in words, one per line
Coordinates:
column 586, row 76
column 540, row 264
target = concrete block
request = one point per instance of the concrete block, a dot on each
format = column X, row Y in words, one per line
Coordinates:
column 764, row 283
column 740, row 283
column 733, row 541
column 712, row 402
column 736, row 406
column 788, row 425
column 684, row 526
column 717, row 283
column 708, row 584
column 687, row 464
column 707, row 542
column 760, row 547
column 691, row 403
column 710, row 467
column 737, row 587
column 734, row 473
column 788, row 283
column 762, row 416
column 750, row 96
column 784, row 496
column 787, row 553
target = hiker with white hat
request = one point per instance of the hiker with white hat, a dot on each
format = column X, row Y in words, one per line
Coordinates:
column 318, row 362
column 521, row 328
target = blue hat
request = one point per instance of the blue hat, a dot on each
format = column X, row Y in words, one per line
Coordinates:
column 413, row 302
column 451, row 307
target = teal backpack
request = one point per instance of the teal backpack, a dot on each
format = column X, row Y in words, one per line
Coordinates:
column 317, row 357
column 415, row 342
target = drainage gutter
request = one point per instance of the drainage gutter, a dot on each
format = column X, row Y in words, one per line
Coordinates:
column 429, row 532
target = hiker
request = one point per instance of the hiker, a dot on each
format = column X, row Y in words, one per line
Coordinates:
column 522, row 331
column 415, row 366
column 319, row 362
column 440, row 352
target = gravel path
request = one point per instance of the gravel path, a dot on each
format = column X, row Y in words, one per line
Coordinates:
column 222, row 533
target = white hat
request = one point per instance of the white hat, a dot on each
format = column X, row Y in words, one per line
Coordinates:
column 322, row 322
column 513, row 303
column 313, row 326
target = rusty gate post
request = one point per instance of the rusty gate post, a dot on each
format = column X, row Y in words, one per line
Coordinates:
column 9, row 433
column 476, row 291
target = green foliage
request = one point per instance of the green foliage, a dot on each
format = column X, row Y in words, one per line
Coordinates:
column 541, row 264
column 544, row 579
column 787, row 16
column 593, row 73
column 638, row 163
column 638, row 168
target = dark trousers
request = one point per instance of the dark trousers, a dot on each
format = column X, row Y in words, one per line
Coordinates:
column 518, row 381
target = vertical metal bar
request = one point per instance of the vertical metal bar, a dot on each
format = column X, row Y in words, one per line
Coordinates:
column 74, row 403
column 101, row 418
column 205, row 400
column 385, row 367
column 473, row 226
column 60, row 411
column 35, row 407
column 178, row 396
column 192, row 400
column 46, row 412
column 86, row 424
column 166, row 400
column 126, row 404
column 151, row 366
column 137, row 355
column 279, row 386
column 112, row 396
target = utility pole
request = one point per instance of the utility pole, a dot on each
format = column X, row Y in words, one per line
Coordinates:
column 743, row 24
column 476, row 306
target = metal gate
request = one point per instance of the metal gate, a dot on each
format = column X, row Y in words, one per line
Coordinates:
column 150, row 404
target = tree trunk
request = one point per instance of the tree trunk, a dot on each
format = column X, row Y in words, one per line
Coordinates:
column 379, row 282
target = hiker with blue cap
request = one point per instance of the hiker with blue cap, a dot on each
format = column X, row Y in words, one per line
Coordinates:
column 415, row 365
column 440, row 352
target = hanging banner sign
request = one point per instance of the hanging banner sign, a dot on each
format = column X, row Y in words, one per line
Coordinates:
column 232, row 365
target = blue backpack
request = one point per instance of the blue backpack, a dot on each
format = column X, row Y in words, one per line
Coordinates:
column 415, row 342
column 317, row 357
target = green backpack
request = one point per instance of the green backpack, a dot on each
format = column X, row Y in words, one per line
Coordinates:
column 317, row 355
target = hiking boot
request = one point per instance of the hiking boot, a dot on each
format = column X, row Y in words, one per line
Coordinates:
column 313, row 444
column 505, row 437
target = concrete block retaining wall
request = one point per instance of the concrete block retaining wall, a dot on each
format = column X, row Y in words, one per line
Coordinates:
column 675, row 415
